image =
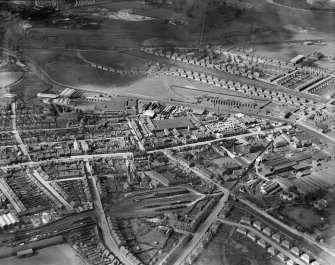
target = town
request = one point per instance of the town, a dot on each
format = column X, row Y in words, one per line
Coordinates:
column 198, row 153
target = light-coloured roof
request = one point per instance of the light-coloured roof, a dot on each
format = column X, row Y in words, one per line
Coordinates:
column 11, row 218
column 2, row 222
column 5, row 217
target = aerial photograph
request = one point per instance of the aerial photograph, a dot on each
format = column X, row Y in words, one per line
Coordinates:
column 167, row 132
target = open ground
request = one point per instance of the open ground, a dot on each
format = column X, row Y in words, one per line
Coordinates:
column 56, row 255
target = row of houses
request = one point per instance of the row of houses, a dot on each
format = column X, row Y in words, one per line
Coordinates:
column 8, row 221
column 277, row 237
column 159, row 52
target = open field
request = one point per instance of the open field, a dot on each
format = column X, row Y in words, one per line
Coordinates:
column 86, row 77
column 113, row 59
column 56, row 255
column 224, row 24
column 287, row 51
column 8, row 78
column 67, row 68
column 302, row 216
column 144, row 10
column 29, row 87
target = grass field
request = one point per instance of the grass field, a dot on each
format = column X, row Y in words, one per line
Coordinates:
column 56, row 255
column 302, row 216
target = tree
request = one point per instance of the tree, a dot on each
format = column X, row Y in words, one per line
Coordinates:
column 293, row 189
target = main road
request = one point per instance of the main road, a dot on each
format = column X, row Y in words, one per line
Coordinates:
column 202, row 229
column 68, row 159
column 217, row 140
column 103, row 220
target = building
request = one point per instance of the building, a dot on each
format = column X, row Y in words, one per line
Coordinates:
column 252, row 236
column 286, row 244
column 305, row 257
column 290, row 262
column 262, row 243
column 295, row 251
column 257, row 225
column 269, row 186
column 25, row 25
column 297, row 59
column 245, row 220
column 267, row 231
column 281, row 256
column 25, row 253
column 47, row 95
column 272, row 250
column 8, row 220
column 241, row 230
column 276, row 237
